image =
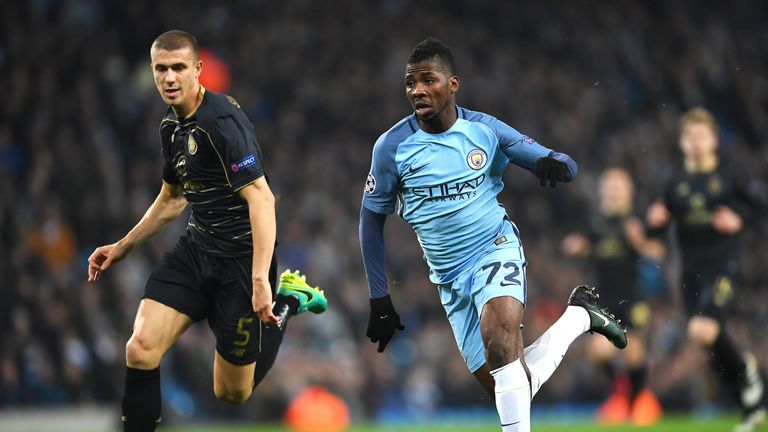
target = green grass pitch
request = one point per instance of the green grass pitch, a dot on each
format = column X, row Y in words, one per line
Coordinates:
column 676, row 424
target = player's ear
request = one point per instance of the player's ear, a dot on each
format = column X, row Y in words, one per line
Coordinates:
column 453, row 83
column 198, row 68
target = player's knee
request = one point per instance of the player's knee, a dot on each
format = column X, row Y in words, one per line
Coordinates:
column 501, row 348
column 139, row 353
column 232, row 395
column 703, row 331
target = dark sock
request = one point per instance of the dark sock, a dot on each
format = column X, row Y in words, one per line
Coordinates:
column 727, row 360
column 637, row 380
column 728, row 364
column 141, row 401
column 286, row 305
column 271, row 336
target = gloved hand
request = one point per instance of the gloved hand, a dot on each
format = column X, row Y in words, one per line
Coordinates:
column 383, row 321
column 550, row 169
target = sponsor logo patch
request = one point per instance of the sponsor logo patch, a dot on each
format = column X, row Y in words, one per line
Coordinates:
column 528, row 140
column 244, row 163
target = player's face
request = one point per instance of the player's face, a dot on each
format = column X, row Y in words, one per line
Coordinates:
column 176, row 74
column 616, row 189
column 697, row 140
column 430, row 89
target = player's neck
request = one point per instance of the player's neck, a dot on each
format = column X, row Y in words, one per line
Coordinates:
column 441, row 123
column 704, row 164
column 190, row 106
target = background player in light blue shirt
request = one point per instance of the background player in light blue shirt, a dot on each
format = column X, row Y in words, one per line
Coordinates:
column 441, row 169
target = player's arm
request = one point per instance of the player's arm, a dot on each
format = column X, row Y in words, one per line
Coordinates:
column 548, row 165
column 658, row 215
column 235, row 139
column 261, row 212
column 746, row 204
column 168, row 205
column 576, row 245
column 383, row 320
column 379, row 200
column 647, row 246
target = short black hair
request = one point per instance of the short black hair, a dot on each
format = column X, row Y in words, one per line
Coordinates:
column 173, row 40
column 433, row 49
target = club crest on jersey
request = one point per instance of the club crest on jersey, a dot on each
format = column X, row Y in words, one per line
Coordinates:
column 714, row 186
column 232, row 100
column 370, row 184
column 191, row 145
column 476, row 159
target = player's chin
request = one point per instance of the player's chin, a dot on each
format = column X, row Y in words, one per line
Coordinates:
column 425, row 114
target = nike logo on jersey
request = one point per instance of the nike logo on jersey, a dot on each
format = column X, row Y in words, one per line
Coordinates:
column 384, row 316
column 413, row 170
column 510, row 424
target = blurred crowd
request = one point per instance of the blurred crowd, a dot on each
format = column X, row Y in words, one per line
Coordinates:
column 80, row 163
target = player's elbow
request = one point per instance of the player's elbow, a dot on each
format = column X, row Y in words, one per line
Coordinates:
column 268, row 198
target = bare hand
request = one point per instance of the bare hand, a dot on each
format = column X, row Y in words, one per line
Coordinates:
column 658, row 215
column 575, row 245
column 262, row 300
column 726, row 220
column 635, row 231
column 103, row 257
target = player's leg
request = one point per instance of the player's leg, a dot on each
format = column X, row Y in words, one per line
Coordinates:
column 645, row 407
column 171, row 303
column 615, row 409
column 243, row 343
column 246, row 350
column 484, row 377
column 736, row 369
column 497, row 292
column 155, row 329
column 582, row 314
column 500, row 330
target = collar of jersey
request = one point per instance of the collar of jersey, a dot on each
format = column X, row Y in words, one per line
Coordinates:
column 459, row 116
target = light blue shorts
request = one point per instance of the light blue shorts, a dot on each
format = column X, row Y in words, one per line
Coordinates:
column 499, row 272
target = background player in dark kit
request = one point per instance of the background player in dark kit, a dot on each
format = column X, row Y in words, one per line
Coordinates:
column 709, row 202
column 613, row 243
column 223, row 268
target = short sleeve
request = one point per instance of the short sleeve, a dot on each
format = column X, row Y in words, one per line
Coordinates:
column 169, row 174
column 241, row 153
column 382, row 184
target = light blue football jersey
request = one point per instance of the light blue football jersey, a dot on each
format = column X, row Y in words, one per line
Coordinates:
column 446, row 184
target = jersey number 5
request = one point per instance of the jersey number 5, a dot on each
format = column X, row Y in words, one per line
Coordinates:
column 511, row 277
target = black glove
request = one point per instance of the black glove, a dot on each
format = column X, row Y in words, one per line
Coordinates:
column 550, row 169
column 382, row 322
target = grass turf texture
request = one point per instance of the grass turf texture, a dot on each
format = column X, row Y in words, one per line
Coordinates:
column 675, row 424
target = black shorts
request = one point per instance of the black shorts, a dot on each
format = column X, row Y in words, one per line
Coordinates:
column 200, row 286
column 709, row 290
